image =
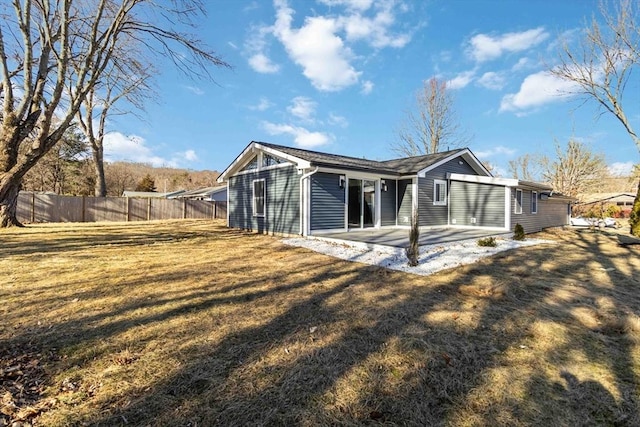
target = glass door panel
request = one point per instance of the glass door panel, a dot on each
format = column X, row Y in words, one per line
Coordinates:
column 368, row 205
column 355, row 203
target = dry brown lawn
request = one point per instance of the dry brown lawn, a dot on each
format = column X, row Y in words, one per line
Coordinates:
column 188, row 323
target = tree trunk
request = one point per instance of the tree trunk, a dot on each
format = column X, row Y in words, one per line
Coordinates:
column 9, row 203
column 634, row 218
column 98, row 164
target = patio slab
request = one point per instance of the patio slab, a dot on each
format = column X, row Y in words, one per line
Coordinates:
column 399, row 238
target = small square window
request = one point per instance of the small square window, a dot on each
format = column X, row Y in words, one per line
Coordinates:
column 439, row 192
column 259, row 191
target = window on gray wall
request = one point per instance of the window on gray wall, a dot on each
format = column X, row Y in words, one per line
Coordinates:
column 439, row 192
column 518, row 206
column 534, row 202
column 259, row 190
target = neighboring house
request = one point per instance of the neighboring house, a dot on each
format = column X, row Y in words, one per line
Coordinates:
column 152, row 194
column 284, row 190
column 599, row 203
column 217, row 194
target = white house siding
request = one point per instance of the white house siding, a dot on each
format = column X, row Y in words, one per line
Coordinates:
column 431, row 215
column 551, row 212
column 282, row 205
column 474, row 204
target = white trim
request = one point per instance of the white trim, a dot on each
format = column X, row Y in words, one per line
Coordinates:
column 515, row 202
column 256, row 148
column 534, row 196
column 507, row 208
column 305, row 202
column 483, row 179
column 265, row 168
column 357, row 174
column 468, row 156
column 396, row 203
column 414, row 200
column 253, row 198
column 436, row 194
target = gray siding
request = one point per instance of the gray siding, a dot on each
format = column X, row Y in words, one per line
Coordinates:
column 405, row 201
column 282, row 204
column 551, row 213
column 483, row 202
column 388, row 203
column 431, row 215
column 327, row 202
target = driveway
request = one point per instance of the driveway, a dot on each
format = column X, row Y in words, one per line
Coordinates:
column 399, row 238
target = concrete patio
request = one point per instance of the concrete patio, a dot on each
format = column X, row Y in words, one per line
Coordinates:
column 399, row 237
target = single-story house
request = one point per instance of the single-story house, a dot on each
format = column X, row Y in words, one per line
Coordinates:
column 212, row 194
column 285, row 190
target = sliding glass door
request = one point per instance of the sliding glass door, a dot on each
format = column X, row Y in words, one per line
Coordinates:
column 361, row 208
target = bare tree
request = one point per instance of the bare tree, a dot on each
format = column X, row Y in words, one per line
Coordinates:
column 126, row 81
column 433, row 125
column 576, row 170
column 527, row 167
column 52, row 54
column 602, row 63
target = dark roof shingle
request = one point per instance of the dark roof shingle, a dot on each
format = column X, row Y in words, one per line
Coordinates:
column 402, row 166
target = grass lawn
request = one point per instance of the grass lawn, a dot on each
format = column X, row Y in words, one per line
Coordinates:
column 189, row 323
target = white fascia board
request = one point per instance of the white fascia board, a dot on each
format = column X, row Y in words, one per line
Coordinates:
column 469, row 157
column 248, row 153
column 507, row 182
column 357, row 174
column 301, row 164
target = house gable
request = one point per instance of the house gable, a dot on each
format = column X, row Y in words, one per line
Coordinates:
column 263, row 157
column 465, row 156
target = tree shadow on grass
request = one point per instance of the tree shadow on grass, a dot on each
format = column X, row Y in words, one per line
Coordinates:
column 349, row 344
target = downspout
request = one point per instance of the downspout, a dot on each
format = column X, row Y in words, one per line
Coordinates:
column 302, row 208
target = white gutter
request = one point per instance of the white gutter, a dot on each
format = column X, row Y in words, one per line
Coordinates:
column 303, row 231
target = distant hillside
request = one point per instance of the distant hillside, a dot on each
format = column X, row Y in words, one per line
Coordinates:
column 125, row 176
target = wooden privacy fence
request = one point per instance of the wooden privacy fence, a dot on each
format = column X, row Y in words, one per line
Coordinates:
column 54, row 208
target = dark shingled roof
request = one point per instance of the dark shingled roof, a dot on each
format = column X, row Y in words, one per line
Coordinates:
column 402, row 166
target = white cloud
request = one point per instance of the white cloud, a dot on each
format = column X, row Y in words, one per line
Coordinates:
column 233, row 45
column 367, row 87
column 262, row 64
column 461, row 80
column 493, row 151
column 195, row 90
column 360, row 5
column 621, row 168
column 537, row 90
column 315, row 47
column 301, row 136
column 523, row 63
column 190, row 155
column 483, row 47
column 336, row 120
column 492, row 80
column 303, row 108
column 133, row 148
column 262, row 105
column 374, row 30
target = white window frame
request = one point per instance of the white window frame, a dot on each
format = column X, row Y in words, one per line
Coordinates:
column 534, row 202
column 517, row 208
column 436, row 201
column 264, row 197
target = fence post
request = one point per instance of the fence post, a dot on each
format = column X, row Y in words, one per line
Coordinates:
column 84, row 209
column 33, row 207
column 184, row 208
column 148, row 208
column 126, row 209
column 215, row 209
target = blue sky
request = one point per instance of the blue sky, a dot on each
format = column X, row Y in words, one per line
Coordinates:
column 339, row 75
